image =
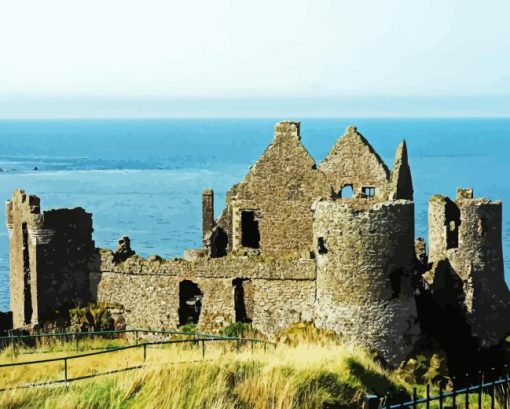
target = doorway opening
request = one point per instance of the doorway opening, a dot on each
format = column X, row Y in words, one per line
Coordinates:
column 190, row 302
column 241, row 313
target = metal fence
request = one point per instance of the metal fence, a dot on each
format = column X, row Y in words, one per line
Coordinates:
column 492, row 391
column 77, row 337
column 196, row 339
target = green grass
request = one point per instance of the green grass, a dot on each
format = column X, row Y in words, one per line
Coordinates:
column 303, row 375
column 309, row 369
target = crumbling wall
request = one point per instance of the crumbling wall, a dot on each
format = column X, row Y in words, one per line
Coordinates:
column 353, row 162
column 50, row 254
column 365, row 257
column 401, row 181
column 277, row 292
column 279, row 189
column 467, row 235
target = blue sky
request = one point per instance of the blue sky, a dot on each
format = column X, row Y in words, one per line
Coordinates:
column 244, row 58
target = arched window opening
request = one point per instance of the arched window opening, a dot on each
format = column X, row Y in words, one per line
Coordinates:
column 346, row 192
column 219, row 241
column 240, row 304
column 190, row 302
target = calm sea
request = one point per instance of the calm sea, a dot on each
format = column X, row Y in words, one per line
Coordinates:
column 144, row 178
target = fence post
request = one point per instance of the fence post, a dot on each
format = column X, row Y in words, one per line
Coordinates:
column 428, row 396
column 203, row 349
column 415, row 398
column 480, row 390
column 454, row 396
column 252, row 346
column 65, row 370
column 144, row 352
column 493, row 386
column 441, row 395
column 77, row 341
column 136, row 337
column 467, row 391
column 505, row 390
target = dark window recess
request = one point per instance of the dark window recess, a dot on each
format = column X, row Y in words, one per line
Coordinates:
column 368, row 191
column 452, row 225
column 27, row 291
column 346, row 191
column 396, row 283
column 321, row 246
column 250, row 236
column 481, row 227
column 219, row 241
column 239, row 301
column 190, row 302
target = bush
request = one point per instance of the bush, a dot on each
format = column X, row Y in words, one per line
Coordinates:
column 236, row 330
column 188, row 328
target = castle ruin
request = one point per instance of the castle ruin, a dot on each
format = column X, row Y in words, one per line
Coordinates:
column 332, row 244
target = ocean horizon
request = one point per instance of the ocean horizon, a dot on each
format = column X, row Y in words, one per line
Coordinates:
column 143, row 177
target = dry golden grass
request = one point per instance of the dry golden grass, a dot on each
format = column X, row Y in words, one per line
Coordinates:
column 291, row 376
column 308, row 369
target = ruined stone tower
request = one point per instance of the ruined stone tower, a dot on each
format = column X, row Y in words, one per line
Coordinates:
column 465, row 241
column 365, row 252
column 49, row 258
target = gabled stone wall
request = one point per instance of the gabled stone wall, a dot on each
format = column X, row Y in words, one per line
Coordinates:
column 353, row 162
column 280, row 188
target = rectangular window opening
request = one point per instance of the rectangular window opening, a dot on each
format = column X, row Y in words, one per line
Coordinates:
column 250, row 236
column 368, row 191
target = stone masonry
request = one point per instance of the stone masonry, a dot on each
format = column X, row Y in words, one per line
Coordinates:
column 365, row 263
column 465, row 235
column 50, row 254
column 291, row 245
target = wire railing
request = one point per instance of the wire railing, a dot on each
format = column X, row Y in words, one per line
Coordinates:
column 486, row 394
column 195, row 339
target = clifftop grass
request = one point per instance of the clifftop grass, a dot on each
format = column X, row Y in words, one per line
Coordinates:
column 306, row 375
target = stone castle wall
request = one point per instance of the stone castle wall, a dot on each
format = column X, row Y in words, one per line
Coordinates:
column 365, row 256
column 278, row 293
column 280, row 188
column 352, row 161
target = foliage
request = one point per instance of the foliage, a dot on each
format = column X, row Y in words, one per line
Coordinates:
column 426, row 364
column 94, row 317
column 237, row 330
column 188, row 328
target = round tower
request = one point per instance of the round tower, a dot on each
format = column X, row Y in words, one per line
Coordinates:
column 365, row 257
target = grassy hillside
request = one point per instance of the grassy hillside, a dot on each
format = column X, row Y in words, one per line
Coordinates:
column 308, row 369
column 307, row 375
